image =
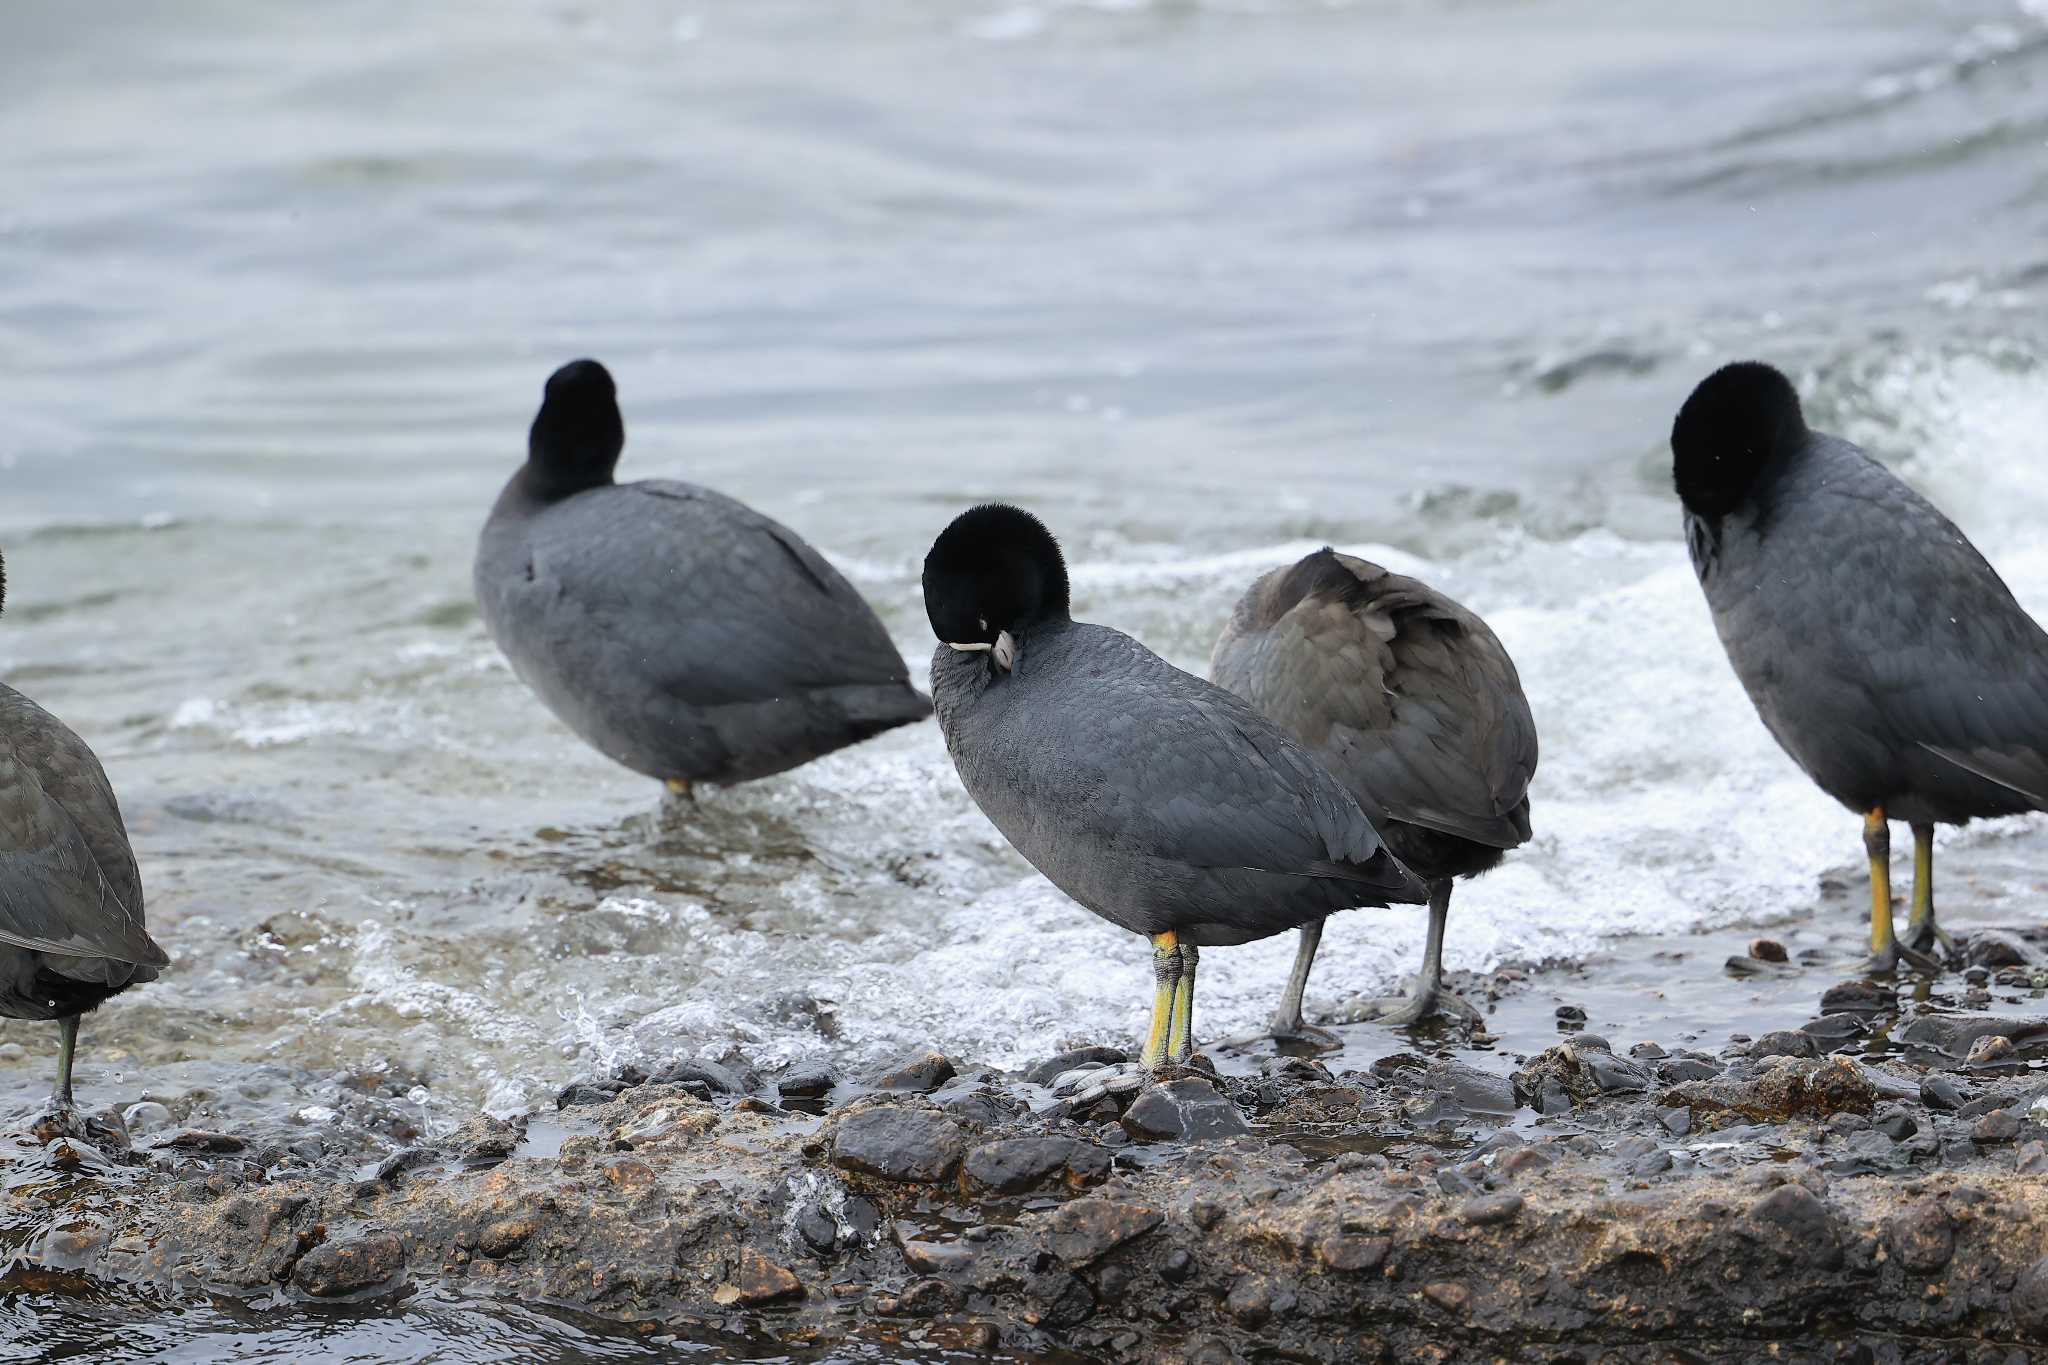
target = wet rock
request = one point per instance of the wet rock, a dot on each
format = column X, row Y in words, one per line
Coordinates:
column 918, row 1074
column 1767, row 950
column 1793, row 1222
column 1941, row 1093
column 1791, row 1087
column 1832, row 1029
column 578, row 1093
column 504, row 1237
column 714, row 1077
column 1571, row 1014
column 807, row 1080
column 2032, row 1159
column 363, row 1264
column 929, row 1298
column 1189, row 1110
column 1581, row 1070
column 1858, row 997
column 1046, row 1072
column 1353, row 1255
column 758, row 1281
column 483, row 1140
column 1088, row 1229
column 1489, row 1209
column 2000, row 1125
column 1991, row 1048
column 1784, row 1043
column 202, row 1140
column 892, row 1143
column 2030, row 1301
column 1954, row 1033
column 1019, row 1165
column 1681, row 1069
column 1896, row 1124
column 1448, row 1295
column 1921, row 1237
column 1999, row 948
column 1472, row 1090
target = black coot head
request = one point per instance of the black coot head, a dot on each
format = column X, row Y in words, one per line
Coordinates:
column 1739, row 418
column 577, row 436
column 995, row 569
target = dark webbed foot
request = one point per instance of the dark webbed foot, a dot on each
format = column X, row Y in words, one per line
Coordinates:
column 1890, row 959
column 1406, row 1011
column 1289, row 1031
column 1931, row 941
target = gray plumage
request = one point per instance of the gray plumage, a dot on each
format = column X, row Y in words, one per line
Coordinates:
column 678, row 631
column 71, row 923
column 1402, row 693
column 1881, row 650
column 1155, row 799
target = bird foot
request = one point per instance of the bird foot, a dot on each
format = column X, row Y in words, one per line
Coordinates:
column 1406, row 1011
column 1084, row 1085
column 1289, row 1032
column 1931, row 940
column 1889, row 961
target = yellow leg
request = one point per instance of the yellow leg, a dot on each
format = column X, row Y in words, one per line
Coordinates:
column 1877, row 842
column 1180, row 1033
column 1921, row 930
column 680, row 787
column 1165, row 981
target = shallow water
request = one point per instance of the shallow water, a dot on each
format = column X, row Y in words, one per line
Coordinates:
column 1206, row 282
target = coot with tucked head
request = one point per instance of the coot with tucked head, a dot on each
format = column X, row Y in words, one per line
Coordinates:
column 679, row 632
column 1157, row 800
column 1412, row 702
column 1881, row 650
column 71, row 931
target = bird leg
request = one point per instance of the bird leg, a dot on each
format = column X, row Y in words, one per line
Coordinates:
column 1886, row 952
column 1428, row 996
column 1922, row 933
column 1166, row 970
column 67, row 1045
column 1287, row 1025
column 1180, row 1030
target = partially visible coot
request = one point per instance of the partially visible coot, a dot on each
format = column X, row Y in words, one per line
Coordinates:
column 1161, row 802
column 1412, row 702
column 71, row 931
column 679, row 632
column 1881, row 650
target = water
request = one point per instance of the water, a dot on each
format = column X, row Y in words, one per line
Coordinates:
column 1206, row 282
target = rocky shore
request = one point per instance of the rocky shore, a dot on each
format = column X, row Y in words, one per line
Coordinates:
column 1803, row 1195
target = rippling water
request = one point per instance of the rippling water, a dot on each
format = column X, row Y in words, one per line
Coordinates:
column 1207, row 283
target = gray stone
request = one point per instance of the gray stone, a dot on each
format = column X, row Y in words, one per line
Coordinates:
column 918, row 1074
column 1190, row 1110
column 890, row 1143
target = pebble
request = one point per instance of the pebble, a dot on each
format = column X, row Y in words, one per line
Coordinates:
column 1488, row 1210
column 807, row 1080
column 1767, row 950
column 2000, row 1125
column 1571, row 1014
column 918, row 1074
column 1785, row 1043
column 1939, row 1092
column 1993, row 1047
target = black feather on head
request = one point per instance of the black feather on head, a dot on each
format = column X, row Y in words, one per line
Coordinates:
column 1739, row 419
column 578, row 433
column 996, row 568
